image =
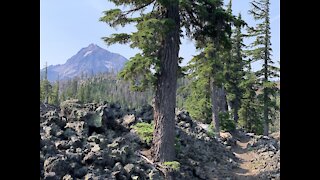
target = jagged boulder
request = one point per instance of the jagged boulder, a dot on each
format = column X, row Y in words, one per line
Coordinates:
column 128, row 120
column 145, row 114
column 183, row 116
column 69, row 109
column 57, row 165
column 228, row 139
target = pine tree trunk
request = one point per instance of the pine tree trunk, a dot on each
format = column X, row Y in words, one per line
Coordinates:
column 247, row 122
column 266, row 70
column 236, row 107
column 47, row 92
column 265, row 99
column 266, row 93
column 223, row 100
column 215, row 107
column 235, row 114
column 165, row 95
column 266, row 114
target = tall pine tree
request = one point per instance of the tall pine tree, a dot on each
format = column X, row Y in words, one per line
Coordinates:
column 45, row 87
column 209, row 66
column 250, row 111
column 234, row 70
column 160, row 49
column 262, row 52
column 54, row 99
column 198, row 103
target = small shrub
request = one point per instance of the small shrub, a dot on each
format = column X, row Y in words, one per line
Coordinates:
column 174, row 165
column 145, row 131
column 226, row 123
column 210, row 131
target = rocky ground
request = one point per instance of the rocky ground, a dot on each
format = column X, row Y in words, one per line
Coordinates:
column 257, row 157
column 96, row 141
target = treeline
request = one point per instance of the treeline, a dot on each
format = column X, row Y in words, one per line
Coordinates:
column 223, row 88
column 193, row 95
column 49, row 92
column 102, row 87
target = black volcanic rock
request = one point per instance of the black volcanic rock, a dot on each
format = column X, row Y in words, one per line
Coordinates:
column 89, row 61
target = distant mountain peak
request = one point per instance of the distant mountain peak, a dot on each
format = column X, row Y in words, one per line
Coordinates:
column 93, row 46
column 89, row 60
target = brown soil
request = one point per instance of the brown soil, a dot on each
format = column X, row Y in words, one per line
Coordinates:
column 246, row 170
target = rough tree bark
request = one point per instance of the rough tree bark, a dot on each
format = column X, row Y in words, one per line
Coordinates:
column 266, row 72
column 165, row 95
column 236, row 113
column 235, row 109
column 223, row 100
column 265, row 113
column 215, row 107
column 266, row 94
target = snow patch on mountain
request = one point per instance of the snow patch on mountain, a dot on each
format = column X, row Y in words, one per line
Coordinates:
column 87, row 53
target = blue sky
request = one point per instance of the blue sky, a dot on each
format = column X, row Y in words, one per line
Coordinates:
column 68, row 26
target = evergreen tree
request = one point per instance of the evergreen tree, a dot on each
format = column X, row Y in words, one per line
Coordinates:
column 250, row 112
column 234, row 71
column 262, row 52
column 46, row 84
column 207, row 71
column 42, row 95
column 87, row 93
column 210, row 66
column 199, row 18
column 45, row 87
column 275, row 125
column 198, row 103
column 80, row 95
column 216, row 54
column 54, row 99
column 182, row 92
column 74, row 87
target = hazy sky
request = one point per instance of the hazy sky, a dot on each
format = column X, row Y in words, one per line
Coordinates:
column 66, row 26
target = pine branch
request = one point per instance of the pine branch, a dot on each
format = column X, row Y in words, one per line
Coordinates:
column 137, row 8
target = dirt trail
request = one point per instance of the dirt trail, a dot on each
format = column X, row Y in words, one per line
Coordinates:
column 246, row 170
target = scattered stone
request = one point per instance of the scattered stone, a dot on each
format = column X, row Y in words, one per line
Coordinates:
column 129, row 168
column 50, row 176
column 67, row 177
column 89, row 158
column 93, row 141
column 128, row 120
column 95, row 148
column 155, row 174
